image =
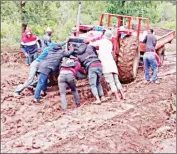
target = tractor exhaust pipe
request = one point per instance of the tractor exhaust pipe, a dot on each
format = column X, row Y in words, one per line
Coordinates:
column 78, row 17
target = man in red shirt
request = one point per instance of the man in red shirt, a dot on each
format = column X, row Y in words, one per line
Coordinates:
column 69, row 70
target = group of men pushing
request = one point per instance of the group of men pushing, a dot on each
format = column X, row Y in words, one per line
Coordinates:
column 77, row 62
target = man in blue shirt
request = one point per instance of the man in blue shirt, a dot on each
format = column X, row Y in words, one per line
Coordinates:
column 34, row 67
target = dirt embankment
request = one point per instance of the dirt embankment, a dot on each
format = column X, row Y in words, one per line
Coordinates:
column 144, row 123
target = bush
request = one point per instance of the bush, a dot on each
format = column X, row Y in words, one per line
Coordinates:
column 170, row 25
column 10, row 34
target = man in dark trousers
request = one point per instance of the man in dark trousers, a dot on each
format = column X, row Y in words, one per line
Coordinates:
column 89, row 59
column 150, row 57
column 70, row 69
column 47, row 66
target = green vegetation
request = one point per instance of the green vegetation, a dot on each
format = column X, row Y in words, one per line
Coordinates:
column 61, row 16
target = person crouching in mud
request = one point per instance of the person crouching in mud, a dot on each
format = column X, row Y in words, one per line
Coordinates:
column 69, row 71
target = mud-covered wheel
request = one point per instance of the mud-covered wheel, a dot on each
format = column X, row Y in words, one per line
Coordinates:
column 128, row 59
column 161, row 54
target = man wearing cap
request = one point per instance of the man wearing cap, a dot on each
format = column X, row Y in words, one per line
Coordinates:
column 46, row 40
column 29, row 46
column 110, row 70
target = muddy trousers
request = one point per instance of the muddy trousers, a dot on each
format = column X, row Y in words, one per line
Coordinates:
column 32, row 73
column 65, row 80
column 150, row 61
column 94, row 74
column 41, row 85
column 113, row 81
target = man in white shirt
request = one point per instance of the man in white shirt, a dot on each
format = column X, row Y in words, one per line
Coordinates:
column 109, row 66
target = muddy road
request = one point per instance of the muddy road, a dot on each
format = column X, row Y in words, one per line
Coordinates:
column 143, row 123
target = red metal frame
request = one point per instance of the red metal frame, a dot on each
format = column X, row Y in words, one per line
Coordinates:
column 119, row 23
column 160, row 41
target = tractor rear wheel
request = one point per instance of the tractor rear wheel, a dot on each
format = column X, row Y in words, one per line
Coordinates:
column 128, row 59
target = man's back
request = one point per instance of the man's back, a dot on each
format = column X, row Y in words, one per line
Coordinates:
column 106, row 57
column 105, row 50
column 150, row 41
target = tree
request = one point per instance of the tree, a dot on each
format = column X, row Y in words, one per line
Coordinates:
column 23, row 15
column 135, row 8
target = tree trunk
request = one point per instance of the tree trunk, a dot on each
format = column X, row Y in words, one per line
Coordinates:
column 23, row 15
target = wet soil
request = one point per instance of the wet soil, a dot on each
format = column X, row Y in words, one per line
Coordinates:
column 143, row 123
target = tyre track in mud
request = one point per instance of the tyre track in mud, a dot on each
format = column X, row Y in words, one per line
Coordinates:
column 34, row 135
column 132, row 131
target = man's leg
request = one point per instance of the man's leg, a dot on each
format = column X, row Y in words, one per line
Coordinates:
column 71, row 83
column 44, row 89
column 40, row 85
column 118, row 85
column 35, row 55
column 62, row 88
column 30, row 58
column 146, row 66
column 27, row 60
column 92, row 81
column 98, row 83
column 110, row 80
column 31, row 76
column 154, row 66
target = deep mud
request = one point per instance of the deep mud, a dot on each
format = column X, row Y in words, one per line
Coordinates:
column 144, row 123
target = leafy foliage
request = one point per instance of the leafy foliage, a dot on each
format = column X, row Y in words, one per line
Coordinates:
column 135, row 8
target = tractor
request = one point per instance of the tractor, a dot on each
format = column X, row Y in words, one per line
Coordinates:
column 127, row 39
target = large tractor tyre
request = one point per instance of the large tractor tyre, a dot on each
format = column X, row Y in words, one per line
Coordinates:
column 161, row 54
column 128, row 59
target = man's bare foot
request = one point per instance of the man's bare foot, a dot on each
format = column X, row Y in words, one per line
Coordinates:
column 103, row 98
column 97, row 102
column 122, row 96
column 63, row 112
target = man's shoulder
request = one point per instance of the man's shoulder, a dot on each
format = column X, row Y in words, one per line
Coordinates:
column 151, row 35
